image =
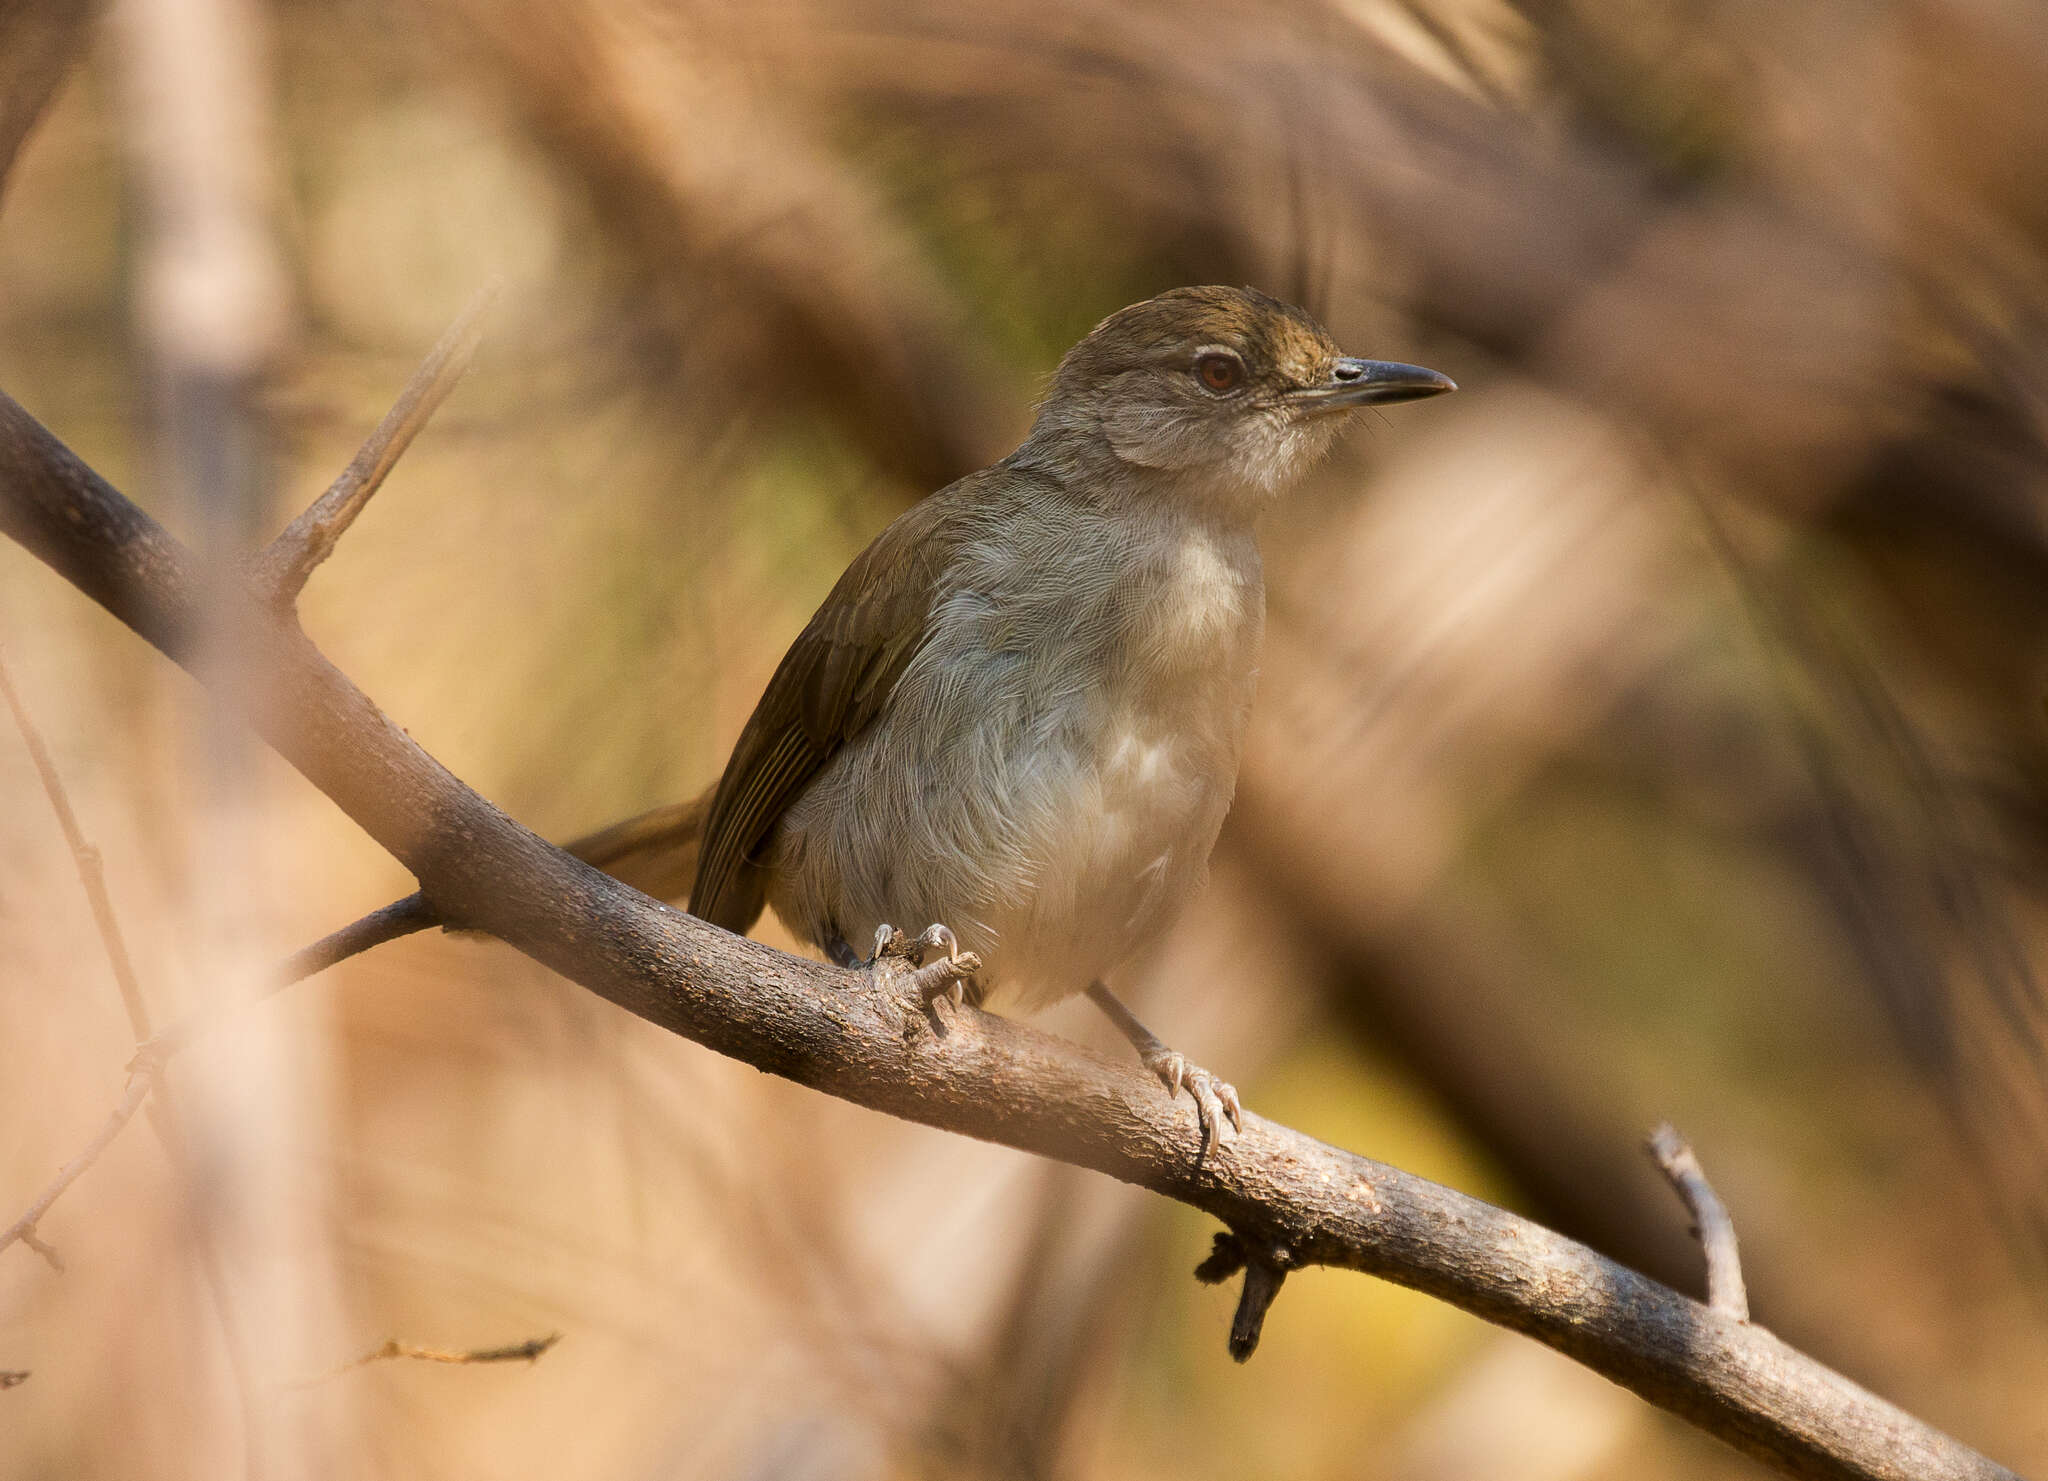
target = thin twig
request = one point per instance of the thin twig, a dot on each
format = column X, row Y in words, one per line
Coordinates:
column 93, row 877
column 24, row 1228
column 528, row 1351
column 283, row 568
column 86, row 857
column 399, row 918
column 1725, row 1291
column 280, row 572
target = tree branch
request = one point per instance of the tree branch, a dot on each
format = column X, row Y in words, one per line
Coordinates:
column 91, row 874
column 24, row 1228
column 987, row 1077
column 281, row 571
column 38, row 44
column 1725, row 1291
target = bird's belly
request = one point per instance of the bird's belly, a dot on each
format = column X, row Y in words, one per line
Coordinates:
column 1118, row 848
column 1054, row 838
column 1052, row 768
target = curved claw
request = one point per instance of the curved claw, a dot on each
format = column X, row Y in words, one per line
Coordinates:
column 946, row 977
column 1215, row 1100
column 934, row 937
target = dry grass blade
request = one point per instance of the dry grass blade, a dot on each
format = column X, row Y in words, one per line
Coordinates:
column 529, row 1351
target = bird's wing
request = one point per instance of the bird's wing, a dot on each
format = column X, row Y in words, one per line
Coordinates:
column 830, row 685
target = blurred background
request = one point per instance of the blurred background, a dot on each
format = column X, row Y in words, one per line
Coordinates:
column 1655, row 728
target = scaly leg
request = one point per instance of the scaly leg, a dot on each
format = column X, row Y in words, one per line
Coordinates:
column 1214, row 1099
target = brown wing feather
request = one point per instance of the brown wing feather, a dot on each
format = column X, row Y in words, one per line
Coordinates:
column 830, row 685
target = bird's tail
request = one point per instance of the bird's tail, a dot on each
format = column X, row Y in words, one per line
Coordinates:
column 655, row 852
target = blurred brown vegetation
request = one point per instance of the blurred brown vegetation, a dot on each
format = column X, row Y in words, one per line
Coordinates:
column 1655, row 728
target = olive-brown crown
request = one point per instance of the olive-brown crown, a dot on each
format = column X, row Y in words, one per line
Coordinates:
column 1279, row 347
column 1197, row 395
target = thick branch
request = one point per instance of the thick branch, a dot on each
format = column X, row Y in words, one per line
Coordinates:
column 986, row 1077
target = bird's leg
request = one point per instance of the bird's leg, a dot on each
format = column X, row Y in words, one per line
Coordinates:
column 1214, row 1099
column 946, row 977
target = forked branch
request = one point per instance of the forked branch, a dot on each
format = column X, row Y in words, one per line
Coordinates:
column 24, row 1228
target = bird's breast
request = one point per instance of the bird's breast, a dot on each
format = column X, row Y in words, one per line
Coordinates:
column 1052, row 770
column 1135, row 716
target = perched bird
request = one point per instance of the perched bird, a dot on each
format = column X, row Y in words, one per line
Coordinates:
column 1018, row 715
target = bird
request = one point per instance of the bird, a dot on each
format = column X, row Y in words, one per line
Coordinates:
column 1018, row 715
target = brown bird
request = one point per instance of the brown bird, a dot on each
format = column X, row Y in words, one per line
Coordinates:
column 1018, row 714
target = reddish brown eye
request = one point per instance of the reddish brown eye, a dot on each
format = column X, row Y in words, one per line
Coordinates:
column 1220, row 370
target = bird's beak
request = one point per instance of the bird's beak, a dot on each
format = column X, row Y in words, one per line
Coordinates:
column 1355, row 382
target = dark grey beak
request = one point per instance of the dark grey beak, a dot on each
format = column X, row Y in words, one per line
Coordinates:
column 1373, row 383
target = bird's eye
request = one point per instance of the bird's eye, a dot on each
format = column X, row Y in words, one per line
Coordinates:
column 1219, row 370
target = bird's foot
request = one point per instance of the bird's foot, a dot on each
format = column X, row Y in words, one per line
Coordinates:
column 927, row 981
column 1214, row 1098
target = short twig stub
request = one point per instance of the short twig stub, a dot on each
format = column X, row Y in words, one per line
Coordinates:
column 1263, row 1273
column 1725, row 1291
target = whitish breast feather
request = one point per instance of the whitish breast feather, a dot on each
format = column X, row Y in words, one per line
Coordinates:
column 1200, row 615
column 1168, row 761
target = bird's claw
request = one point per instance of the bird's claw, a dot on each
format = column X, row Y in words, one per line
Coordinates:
column 1215, row 1099
column 947, row 977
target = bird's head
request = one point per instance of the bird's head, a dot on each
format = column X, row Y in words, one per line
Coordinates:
column 1223, row 393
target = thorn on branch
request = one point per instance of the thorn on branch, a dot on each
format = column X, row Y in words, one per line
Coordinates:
column 280, row 572
column 528, row 1351
column 1263, row 1273
column 1726, row 1294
